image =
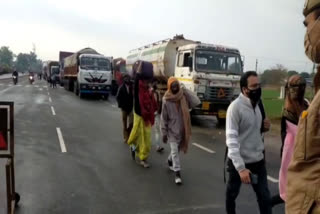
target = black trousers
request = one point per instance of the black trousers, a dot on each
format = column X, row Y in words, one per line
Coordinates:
column 261, row 189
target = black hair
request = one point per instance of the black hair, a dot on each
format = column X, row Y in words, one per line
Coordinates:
column 245, row 77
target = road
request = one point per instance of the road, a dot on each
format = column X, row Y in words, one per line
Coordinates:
column 70, row 158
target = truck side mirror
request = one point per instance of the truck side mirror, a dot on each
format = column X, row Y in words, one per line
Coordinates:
column 190, row 63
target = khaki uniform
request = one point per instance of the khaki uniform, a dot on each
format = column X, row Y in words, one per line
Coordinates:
column 303, row 190
column 310, row 6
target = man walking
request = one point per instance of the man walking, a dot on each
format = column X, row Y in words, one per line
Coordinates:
column 246, row 163
column 125, row 103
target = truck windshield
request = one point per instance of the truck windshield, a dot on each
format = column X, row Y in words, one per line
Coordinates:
column 91, row 63
column 218, row 62
column 55, row 70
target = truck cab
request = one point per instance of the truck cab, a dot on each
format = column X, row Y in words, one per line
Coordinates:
column 94, row 74
column 213, row 73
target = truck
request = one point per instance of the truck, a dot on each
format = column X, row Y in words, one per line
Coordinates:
column 62, row 56
column 211, row 71
column 48, row 68
column 87, row 72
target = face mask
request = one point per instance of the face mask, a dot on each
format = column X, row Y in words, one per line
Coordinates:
column 312, row 42
column 255, row 95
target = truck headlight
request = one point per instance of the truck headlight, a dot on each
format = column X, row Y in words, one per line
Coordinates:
column 201, row 89
column 201, row 96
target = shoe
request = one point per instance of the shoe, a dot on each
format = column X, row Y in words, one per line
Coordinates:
column 178, row 179
column 144, row 164
column 160, row 149
column 133, row 153
column 170, row 165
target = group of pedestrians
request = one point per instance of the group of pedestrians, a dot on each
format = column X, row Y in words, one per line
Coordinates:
column 142, row 108
column 246, row 123
column 299, row 175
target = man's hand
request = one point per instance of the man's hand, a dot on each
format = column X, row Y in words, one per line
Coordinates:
column 266, row 125
column 165, row 138
column 245, row 176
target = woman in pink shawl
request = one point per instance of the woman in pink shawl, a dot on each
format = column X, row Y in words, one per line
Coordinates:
column 293, row 107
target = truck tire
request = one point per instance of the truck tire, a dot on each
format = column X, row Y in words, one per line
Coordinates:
column 75, row 88
column 70, row 85
column 221, row 121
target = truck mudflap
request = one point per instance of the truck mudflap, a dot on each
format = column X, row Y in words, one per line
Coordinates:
column 95, row 89
column 210, row 108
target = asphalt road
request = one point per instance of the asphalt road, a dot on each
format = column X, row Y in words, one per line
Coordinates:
column 70, row 158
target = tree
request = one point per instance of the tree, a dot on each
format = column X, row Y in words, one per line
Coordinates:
column 305, row 75
column 6, row 57
column 291, row 73
column 276, row 76
column 26, row 62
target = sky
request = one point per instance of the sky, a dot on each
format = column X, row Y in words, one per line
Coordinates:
column 270, row 31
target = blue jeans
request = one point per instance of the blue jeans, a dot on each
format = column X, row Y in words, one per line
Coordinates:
column 261, row 189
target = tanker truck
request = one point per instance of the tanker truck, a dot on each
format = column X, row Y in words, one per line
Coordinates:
column 87, row 72
column 211, row 71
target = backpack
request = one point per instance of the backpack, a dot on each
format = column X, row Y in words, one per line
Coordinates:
column 303, row 187
column 263, row 114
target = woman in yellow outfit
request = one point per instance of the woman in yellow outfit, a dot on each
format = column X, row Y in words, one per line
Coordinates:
column 144, row 108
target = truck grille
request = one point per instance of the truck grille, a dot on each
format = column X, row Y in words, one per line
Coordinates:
column 219, row 93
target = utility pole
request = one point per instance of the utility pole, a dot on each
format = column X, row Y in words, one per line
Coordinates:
column 257, row 65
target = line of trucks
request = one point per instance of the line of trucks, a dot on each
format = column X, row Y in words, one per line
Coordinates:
column 211, row 71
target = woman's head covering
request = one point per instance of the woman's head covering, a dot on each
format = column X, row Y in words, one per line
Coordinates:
column 295, row 90
column 170, row 81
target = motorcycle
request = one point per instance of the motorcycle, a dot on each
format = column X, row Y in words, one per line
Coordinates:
column 31, row 79
column 15, row 80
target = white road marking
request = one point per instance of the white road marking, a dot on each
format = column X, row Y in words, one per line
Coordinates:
column 50, row 100
column 53, row 112
column 114, row 106
column 36, row 86
column 27, row 86
column 62, row 144
column 45, row 86
column 273, row 180
column 48, row 93
column 19, row 85
column 10, row 85
column 204, row 148
column 40, row 89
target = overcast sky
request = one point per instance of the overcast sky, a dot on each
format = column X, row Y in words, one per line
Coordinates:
column 268, row 30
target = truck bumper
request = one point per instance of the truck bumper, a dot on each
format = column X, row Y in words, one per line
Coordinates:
column 94, row 89
column 212, row 108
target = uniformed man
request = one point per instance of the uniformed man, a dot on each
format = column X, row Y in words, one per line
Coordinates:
column 303, row 190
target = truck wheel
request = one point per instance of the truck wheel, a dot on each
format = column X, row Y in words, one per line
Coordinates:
column 106, row 96
column 76, row 88
column 221, row 121
column 80, row 95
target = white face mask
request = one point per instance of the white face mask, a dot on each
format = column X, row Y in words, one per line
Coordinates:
column 312, row 42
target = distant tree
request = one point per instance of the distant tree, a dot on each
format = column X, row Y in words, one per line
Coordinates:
column 312, row 74
column 305, row 75
column 291, row 73
column 6, row 58
column 275, row 76
column 26, row 62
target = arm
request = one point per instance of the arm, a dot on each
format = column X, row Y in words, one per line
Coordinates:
column 283, row 133
column 232, row 132
column 164, row 119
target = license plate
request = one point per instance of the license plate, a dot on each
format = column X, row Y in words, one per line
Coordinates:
column 205, row 106
column 222, row 114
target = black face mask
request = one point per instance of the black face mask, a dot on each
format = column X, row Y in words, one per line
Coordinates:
column 255, row 95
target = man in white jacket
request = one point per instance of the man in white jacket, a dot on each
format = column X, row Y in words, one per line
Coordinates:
column 245, row 145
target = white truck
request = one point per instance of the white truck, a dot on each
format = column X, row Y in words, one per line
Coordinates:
column 87, row 72
column 211, row 71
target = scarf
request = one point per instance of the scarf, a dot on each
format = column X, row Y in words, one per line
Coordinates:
column 182, row 105
column 148, row 104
